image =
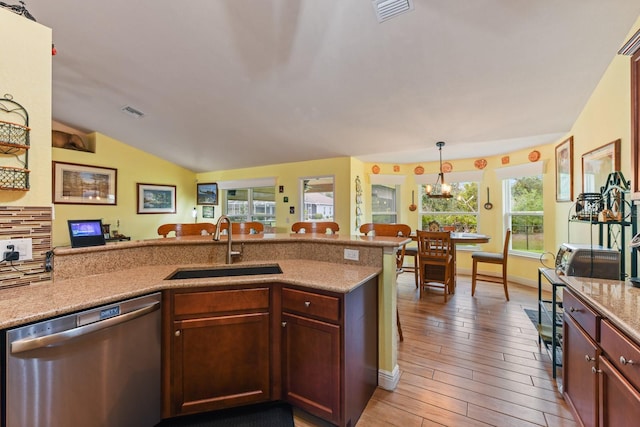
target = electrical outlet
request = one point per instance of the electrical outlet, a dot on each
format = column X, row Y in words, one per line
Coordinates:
column 352, row 254
column 24, row 247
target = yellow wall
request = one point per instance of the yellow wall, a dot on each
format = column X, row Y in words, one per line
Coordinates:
column 134, row 166
column 25, row 73
column 288, row 175
column 605, row 118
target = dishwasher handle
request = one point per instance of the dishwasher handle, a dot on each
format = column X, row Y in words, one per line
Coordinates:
column 28, row 344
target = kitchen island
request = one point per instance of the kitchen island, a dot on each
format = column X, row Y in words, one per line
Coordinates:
column 87, row 277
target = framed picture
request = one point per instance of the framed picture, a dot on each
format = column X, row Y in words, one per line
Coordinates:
column 84, row 184
column 564, row 171
column 156, row 199
column 598, row 164
column 207, row 194
column 208, row 212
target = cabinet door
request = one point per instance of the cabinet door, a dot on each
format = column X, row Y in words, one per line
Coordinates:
column 579, row 382
column 221, row 362
column 311, row 365
column 619, row 400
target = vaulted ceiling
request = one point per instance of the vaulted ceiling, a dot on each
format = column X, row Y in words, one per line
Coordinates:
column 240, row 83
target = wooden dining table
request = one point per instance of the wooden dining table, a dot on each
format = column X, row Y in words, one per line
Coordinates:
column 456, row 239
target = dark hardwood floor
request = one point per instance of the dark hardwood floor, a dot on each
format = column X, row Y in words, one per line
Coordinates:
column 473, row 361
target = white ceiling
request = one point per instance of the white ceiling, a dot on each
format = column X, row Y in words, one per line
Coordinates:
column 240, row 83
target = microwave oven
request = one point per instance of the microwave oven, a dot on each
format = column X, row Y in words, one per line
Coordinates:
column 575, row 259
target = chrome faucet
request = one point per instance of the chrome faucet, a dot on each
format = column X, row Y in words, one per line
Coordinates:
column 216, row 237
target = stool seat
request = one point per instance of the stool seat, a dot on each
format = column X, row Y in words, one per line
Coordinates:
column 488, row 256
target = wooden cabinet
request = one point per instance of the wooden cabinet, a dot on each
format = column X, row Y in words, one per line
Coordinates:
column 311, row 361
column 220, row 349
column 580, row 385
column 233, row 346
column 619, row 378
column 601, row 368
column 330, row 351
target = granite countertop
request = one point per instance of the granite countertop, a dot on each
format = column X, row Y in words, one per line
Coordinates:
column 48, row 299
column 616, row 300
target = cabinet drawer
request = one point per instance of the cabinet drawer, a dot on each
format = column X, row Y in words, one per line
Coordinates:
column 583, row 315
column 302, row 302
column 221, row 301
column 622, row 352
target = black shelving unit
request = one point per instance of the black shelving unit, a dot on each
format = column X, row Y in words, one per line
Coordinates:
column 611, row 231
column 552, row 311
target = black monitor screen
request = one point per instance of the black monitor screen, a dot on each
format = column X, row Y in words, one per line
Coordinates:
column 86, row 232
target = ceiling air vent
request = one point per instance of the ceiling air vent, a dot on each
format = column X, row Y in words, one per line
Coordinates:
column 136, row 114
column 387, row 9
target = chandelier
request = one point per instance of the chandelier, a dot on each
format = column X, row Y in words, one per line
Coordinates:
column 440, row 190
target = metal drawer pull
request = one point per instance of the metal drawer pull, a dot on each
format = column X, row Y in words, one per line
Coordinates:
column 573, row 309
column 284, row 324
column 625, row 361
column 594, row 370
column 589, row 358
column 307, row 304
column 177, row 333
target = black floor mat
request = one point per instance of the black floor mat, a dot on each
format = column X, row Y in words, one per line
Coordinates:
column 545, row 328
column 276, row 414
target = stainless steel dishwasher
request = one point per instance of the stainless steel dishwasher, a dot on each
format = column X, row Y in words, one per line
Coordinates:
column 99, row 367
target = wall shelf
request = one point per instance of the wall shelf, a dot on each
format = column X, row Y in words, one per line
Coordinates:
column 14, row 145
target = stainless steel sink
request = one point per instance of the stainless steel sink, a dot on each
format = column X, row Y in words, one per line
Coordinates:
column 226, row 271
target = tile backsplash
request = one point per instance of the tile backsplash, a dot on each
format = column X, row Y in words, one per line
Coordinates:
column 22, row 222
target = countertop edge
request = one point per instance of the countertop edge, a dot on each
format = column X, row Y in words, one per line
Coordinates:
column 48, row 298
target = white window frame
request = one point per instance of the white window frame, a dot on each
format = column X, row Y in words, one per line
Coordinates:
column 396, row 209
column 508, row 215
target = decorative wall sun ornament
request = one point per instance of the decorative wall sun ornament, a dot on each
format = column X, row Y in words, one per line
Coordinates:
column 534, row 156
column 480, row 164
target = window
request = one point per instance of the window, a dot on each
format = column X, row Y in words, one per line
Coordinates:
column 384, row 203
column 252, row 204
column 524, row 213
column 317, row 199
column 459, row 212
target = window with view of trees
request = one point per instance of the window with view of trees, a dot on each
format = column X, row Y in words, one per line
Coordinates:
column 384, row 206
column 524, row 213
column 252, row 204
column 459, row 212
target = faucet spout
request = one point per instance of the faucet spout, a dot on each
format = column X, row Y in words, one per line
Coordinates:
column 216, row 235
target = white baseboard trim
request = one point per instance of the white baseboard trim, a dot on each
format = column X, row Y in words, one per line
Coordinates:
column 389, row 380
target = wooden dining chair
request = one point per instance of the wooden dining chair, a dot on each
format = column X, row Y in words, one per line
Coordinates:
column 435, row 261
column 315, row 227
column 391, row 230
column 195, row 229
column 491, row 258
column 249, row 227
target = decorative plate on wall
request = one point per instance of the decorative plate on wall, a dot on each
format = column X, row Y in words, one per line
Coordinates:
column 396, row 168
column 447, row 167
column 480, row 163
column 375, row 169
column 419, row 170
column 534, row 156
column 505, row 160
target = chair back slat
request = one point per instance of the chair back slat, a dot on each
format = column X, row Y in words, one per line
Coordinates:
column 391, row 230
column 434, row 244
column 248, row 227
column 195, row 229
column 315, row 227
